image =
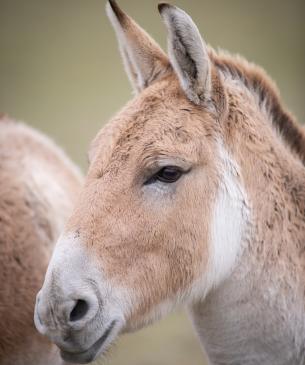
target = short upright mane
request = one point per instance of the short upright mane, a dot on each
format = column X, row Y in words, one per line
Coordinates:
column 256, row 79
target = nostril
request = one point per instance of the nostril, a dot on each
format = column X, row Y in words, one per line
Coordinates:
column 79, row 310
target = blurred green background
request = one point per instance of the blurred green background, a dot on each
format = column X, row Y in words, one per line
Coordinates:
column 60, row 71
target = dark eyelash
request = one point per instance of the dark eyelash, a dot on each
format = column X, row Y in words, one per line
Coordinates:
column 167, row 175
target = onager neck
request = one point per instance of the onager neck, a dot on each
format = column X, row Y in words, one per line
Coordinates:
column 259, row 306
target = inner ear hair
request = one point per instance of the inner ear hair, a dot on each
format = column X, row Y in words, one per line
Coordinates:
column 188, row 53
column 145, row 62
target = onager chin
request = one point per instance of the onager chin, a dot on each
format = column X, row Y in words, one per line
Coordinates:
column 38, row 186
column 194, row 195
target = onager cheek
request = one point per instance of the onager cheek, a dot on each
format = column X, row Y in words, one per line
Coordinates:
column 161, row 284
column 162, row 277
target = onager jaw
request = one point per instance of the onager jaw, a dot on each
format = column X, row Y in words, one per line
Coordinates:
column 96, row 349
column 76, row 308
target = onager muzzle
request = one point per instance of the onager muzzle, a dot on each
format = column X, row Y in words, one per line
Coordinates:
column 71, row 308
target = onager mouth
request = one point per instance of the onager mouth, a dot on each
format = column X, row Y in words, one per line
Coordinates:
column 92, row 352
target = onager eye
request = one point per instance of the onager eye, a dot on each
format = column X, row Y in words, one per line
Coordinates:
column 168, row 174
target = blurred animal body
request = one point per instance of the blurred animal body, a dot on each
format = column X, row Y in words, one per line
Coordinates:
column 195, row 195
column 38, row 185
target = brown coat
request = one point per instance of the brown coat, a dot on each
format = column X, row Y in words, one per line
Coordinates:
column 38, row 185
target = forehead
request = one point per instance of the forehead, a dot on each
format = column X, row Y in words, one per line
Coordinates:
column 160, row 119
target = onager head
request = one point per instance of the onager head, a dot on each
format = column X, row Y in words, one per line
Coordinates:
column 161, row 197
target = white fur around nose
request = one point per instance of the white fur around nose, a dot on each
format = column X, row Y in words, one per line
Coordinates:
column 75, row 273
column 70, row 267
column 70, row 277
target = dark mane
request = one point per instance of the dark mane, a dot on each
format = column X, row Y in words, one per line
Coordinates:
column 258, row 81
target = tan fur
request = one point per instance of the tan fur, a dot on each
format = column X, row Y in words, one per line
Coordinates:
column 150, row 124
column 137, row 135
column 271, row 273
column 31, row 217
column 260, row 83
column 157, row 242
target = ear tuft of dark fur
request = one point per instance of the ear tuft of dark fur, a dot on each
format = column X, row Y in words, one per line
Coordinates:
column 117, row 10
column 163, row 6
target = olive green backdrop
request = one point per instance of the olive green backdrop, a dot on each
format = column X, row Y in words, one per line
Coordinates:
column 60, row 71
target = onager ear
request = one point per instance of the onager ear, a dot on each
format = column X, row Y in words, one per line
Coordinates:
column 144, row 60
column 188, row 54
